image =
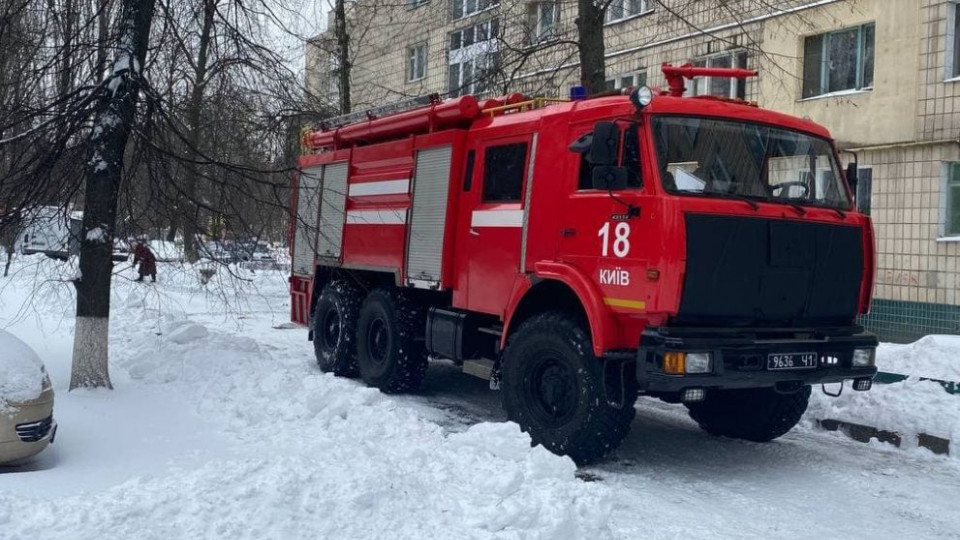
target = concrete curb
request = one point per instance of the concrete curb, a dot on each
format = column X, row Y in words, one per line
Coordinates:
column 862, row 433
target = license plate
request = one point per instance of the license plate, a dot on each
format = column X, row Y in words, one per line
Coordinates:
column 778, row 361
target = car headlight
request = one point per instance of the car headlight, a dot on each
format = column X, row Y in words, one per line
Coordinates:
column 863, row 357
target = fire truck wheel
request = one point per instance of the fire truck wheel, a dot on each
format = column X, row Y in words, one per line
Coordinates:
column 390, row 356
column 553, row 386
column 334, row 328
column 757, row 414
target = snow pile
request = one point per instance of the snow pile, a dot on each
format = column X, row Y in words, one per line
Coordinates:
column 308, row 455
column 910, row 407
column 97, row 234
column 21, row 372
column 185, row 331
column 935, row 357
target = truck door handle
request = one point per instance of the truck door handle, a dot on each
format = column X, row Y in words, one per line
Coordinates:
column 568, row 232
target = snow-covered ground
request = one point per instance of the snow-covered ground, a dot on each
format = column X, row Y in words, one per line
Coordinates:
column 222, row 427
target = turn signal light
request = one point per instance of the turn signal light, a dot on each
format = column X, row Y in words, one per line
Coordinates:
column 674, row 363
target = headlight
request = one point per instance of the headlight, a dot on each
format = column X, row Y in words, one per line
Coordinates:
column 699, row 362
column 863, row 357
column 680, row 363
column 641, row 97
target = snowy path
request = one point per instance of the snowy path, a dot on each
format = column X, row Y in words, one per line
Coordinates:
column 233, row 433
column 672, row 480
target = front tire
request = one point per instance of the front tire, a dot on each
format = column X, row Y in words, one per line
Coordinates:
column 553, row 386
column 334, row 328
column 756, row 414
column 391, row 353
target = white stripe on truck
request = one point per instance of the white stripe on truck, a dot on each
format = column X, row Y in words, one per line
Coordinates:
column 497, row 218
column 385, row 187
column 386, row 216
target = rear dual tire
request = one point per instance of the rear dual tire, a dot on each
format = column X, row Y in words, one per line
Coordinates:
column 390, row 350
column 334, row 328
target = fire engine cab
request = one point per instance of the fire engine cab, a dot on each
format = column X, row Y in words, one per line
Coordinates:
column 578, row 254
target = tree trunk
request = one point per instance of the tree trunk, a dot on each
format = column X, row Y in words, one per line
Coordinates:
column 65, row 73
column 591, row 46
column 115, row 115
column 194, row 133
column 343, row 54
column 103, row 33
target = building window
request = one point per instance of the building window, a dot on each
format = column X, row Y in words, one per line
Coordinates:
column 727, row 87
column 864, row 189
column 334, row 80
column 416, row 3
column 473, row 60
column 950, row 205
column 464, row 8
column 953, row 40
column 416, row 62
column 503, row 168
column 624, row 9
column 542, row 21
column 473, row 75
column 477, row 33
column 838, row 61
column 627, row 80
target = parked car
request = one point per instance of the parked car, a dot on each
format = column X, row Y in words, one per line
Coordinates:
column 258, row 257
column 218, row 252
column 26, row 402
column 121, row 251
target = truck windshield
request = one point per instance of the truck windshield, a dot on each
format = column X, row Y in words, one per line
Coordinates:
column 724, row 158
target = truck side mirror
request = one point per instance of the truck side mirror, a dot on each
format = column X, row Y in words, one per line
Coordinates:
column 852, row 176
column 609, row 178
column 605, row 146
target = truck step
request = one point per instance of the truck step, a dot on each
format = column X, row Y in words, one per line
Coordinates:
column 495, row 331
column 479, row 367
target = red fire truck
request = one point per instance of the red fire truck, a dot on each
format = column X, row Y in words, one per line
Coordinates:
column 581, row 253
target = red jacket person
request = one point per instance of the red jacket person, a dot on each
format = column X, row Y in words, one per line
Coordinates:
column 147, row 260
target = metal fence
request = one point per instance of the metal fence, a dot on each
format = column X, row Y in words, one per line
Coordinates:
column 903, row 322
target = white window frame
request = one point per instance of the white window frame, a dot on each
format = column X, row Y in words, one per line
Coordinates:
column 701, row 85
column 643, row 7
column 635, row 76
column 859, row 86
column 944, row 215
column 470, row 7
column 416, row 71
column 488, row 24
column 951, row 67
column 538, row 32
column 476, row 56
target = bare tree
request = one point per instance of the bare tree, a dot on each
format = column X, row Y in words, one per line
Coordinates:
column 115, row 115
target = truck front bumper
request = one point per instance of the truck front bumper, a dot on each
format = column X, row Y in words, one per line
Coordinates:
column 741, row 358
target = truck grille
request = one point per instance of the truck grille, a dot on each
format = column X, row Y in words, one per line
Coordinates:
column 35, row 431
column 752, row 271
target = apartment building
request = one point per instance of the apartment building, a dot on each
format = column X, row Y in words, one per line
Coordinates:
column 882, row 75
